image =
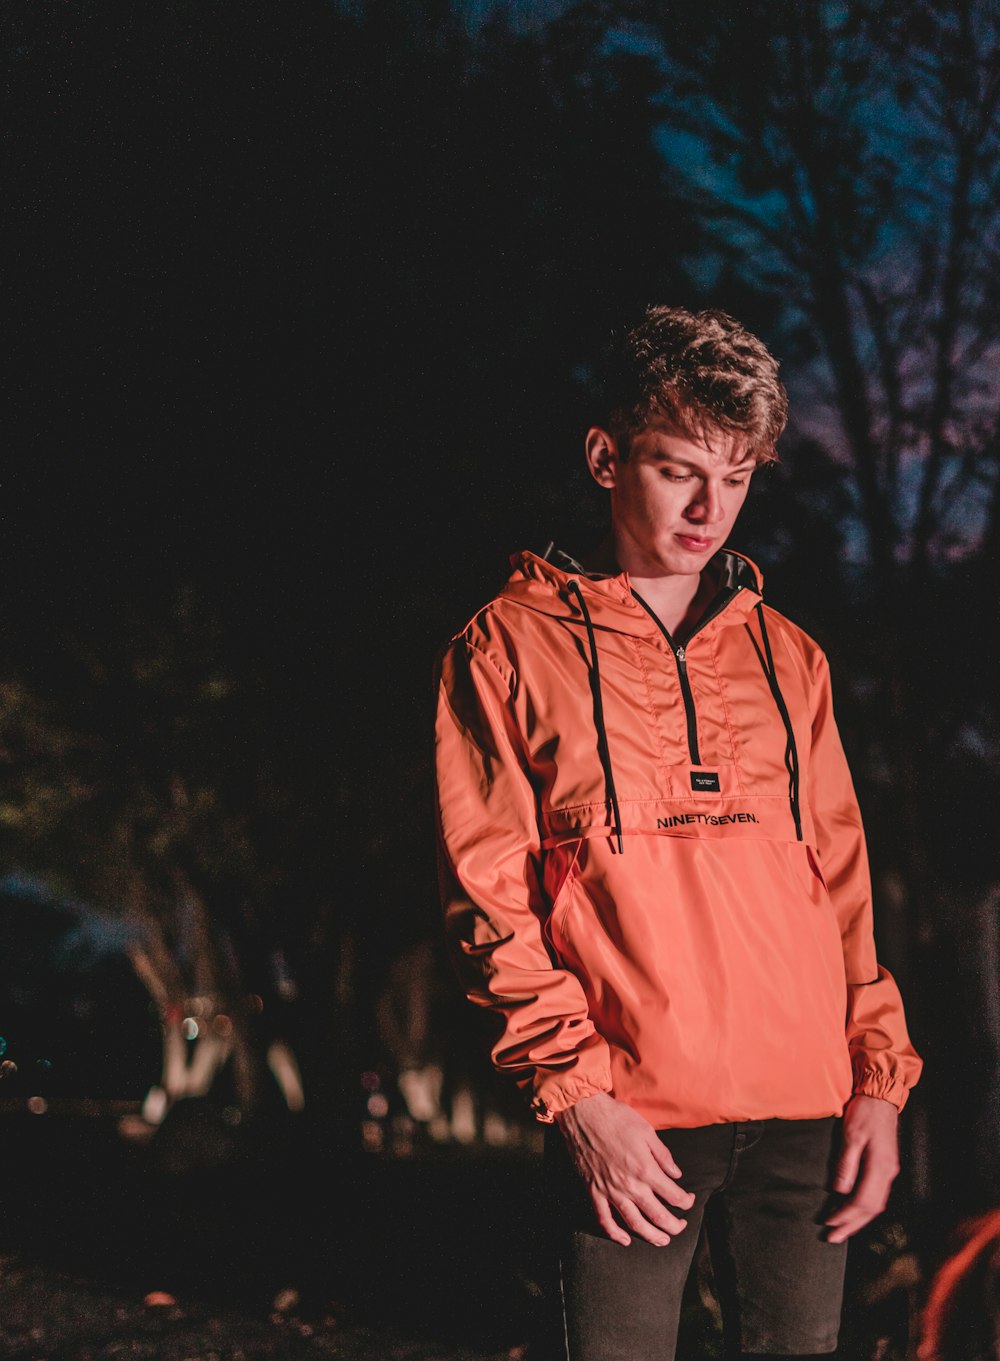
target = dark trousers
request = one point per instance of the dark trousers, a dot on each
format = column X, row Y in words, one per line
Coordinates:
column 761, row 1188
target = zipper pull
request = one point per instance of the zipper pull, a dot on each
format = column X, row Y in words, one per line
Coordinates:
column 679, row 654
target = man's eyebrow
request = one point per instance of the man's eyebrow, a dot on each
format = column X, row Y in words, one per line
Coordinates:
column 661, row 457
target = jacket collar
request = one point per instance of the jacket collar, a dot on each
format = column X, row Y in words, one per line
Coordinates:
column 540, row 582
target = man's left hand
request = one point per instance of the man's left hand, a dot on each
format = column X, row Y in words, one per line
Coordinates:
column 867, row 1167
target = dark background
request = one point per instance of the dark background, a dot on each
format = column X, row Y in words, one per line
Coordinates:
column 302, row 304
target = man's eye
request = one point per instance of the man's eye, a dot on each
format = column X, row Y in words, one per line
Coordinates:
column 736, row 481
column 676, row 477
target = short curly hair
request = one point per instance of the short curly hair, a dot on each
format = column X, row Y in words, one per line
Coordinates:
column 697, row 372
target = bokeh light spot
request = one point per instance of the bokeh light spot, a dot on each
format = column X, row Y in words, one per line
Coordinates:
column 155, row 1106
column 372, row 1136
column 378, row 1107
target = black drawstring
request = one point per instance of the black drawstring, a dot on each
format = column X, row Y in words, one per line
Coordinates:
column 791, row 752
column 602, row 733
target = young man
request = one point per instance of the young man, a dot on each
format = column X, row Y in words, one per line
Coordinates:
column 656, row 878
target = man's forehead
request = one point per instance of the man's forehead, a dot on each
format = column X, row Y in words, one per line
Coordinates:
column 705, row 444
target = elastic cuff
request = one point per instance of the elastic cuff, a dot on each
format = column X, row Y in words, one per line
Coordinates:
column 873, row 1082
column 559, row 1098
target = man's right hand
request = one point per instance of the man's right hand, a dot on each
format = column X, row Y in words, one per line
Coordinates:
column 627, row 1169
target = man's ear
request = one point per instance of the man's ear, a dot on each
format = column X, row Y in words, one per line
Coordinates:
column 602, row 457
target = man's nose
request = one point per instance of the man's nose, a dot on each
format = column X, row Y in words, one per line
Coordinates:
column 706, row 508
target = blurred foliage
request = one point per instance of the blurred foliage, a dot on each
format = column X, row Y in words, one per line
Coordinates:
column 143, row 765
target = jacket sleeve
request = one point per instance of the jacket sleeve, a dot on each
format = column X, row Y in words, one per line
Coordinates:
column 883, row 1061
column 494, row 903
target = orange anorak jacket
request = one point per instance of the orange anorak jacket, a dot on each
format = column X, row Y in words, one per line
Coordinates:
column 655, row 871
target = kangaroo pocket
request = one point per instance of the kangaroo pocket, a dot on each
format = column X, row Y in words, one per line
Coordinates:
column 715, row 972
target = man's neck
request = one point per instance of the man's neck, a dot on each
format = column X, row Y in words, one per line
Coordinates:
column 677, row 601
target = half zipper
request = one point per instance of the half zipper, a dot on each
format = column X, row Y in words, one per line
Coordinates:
column 688, row 697
column 680, row 657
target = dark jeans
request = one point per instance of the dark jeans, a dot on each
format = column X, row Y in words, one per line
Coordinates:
column 761, row 1188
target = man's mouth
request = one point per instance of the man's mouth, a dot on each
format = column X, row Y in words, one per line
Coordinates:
column 695, row 543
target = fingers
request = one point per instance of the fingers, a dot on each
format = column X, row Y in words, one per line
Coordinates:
column 871, row 1195
column 657, row 1213
column 670, row 1192
column 642, row 1212
column 665, row 1187
column 640, row 1225
column 607, row 1221
column 847, row 1167
column 846, row 1221
column 642, row 1201
column 665, row 1158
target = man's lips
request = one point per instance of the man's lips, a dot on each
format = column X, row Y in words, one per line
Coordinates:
column 695, row 542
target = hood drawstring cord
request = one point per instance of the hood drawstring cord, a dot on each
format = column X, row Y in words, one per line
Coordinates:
column 602, row 733
column 766, row 659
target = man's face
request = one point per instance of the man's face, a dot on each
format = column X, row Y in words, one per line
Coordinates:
column 674, row 500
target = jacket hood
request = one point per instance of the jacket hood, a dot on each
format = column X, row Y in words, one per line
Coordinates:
column 548, row 582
